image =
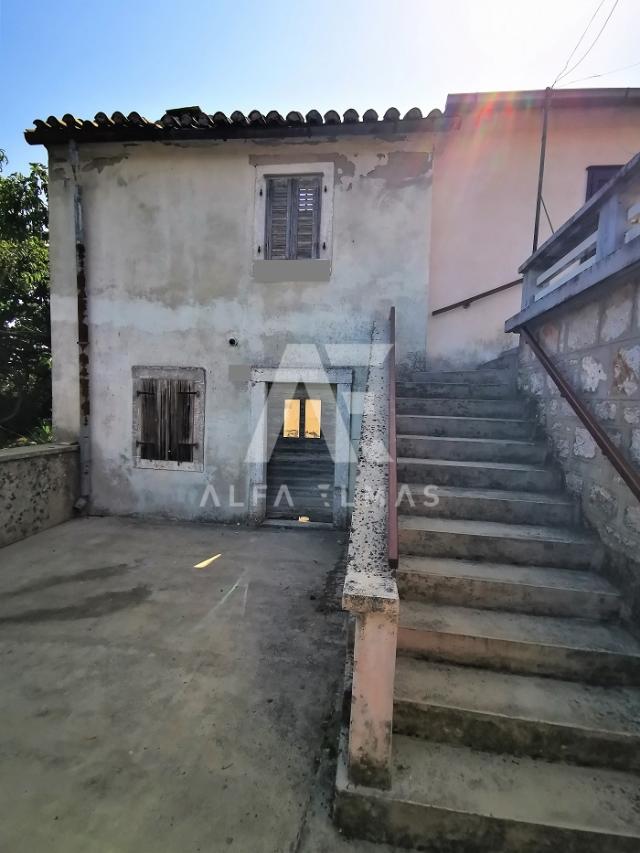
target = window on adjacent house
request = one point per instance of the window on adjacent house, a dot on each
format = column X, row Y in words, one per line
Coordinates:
column 169, row 418
column 292, row 220
column 598, row 176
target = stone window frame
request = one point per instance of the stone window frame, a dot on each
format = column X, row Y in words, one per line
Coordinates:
column 260, row 380
column 293, row 269
column 197, row 376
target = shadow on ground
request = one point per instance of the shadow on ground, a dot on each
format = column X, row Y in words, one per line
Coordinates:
column 151, row 706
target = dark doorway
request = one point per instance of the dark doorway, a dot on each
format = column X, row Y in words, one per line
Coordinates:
column 300, row 473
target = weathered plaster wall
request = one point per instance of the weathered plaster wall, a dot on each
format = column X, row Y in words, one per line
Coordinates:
column 595, row 342
column 38, row 488
column 484, row 195
column 169, row 239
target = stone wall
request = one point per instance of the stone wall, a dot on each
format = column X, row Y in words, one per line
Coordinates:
column 38, row 488
column 595, row 342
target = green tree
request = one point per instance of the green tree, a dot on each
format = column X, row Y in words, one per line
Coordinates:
column 25, row 353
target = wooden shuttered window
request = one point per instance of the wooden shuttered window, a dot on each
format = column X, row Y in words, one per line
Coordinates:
column 293, row 217
column 166, row 421
column 168, row 417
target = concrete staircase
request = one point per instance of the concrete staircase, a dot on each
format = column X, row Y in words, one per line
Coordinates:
column 517, row 692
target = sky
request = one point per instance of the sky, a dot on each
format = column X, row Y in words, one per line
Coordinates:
column 83, row 56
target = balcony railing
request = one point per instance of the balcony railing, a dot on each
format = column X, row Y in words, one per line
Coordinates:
column 598, row 241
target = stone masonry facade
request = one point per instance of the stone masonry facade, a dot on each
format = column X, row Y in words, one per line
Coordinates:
column 595, row 343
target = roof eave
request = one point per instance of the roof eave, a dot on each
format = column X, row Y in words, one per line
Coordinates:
column 154, row 132
column 465, row 102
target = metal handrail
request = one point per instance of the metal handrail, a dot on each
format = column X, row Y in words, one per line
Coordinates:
column 464, row 303
column 628, row 473
column 392, row 509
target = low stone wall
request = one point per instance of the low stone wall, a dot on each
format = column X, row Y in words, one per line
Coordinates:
column 38, row 488
column 595, row 342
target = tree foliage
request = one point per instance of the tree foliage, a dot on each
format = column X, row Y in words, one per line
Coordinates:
column 25, row 356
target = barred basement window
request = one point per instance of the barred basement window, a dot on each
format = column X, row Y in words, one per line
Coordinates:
column 292, row 221
column 168, row 417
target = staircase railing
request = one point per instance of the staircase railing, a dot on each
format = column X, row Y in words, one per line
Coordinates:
column 622, row 465
column 465, row 303
column 392, row 509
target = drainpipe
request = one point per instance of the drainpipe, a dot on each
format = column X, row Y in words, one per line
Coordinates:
column 84, row 436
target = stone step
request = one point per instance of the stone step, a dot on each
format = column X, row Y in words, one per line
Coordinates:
column 507, row 361
column 461, row 408
column 474, row 390
column 518, row 714
column 464, row 427
column 573, row 649
column 491, row 376
column 479, row 475
column 502, row 586
column 552, row 508
column 458, row 800
column 472, row 449
column 524, row 544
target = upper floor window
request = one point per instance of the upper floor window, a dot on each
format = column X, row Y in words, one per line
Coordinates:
column 293, row 221
column 598, row 176
column 292, row 216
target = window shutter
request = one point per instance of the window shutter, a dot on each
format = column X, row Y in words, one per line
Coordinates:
column 169, row 417
column 183, row 426
column 277, row 219
column 148, row 396
column 307, row 199
column 292, row 227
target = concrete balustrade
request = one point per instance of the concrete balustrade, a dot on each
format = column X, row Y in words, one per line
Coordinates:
column 370, row 591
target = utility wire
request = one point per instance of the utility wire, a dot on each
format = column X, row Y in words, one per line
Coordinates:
column 592, row 45
column 602, row 74
column 577, row 45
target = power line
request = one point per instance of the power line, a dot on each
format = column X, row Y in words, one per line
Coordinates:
column 578, row 43
column 592, row 45
column 603, row 74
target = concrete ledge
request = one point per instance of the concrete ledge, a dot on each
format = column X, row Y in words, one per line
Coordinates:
column 34, row 450
column 272, row 272
column 308, row 375
column 38, row 487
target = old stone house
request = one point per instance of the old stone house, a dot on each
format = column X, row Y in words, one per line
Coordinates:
column 200, row 257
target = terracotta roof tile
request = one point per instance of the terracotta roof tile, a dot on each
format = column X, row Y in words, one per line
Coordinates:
column 193, row 123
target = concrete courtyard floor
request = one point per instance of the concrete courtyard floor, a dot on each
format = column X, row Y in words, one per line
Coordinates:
column 147, row 705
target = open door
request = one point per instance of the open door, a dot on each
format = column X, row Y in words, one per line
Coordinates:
column 300, row 472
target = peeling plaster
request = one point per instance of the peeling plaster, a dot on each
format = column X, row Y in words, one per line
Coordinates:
column 344, row 167
column 403, row 168
column 100, row 163
column 584, row 445
column 626, row 370
column 592, row 374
